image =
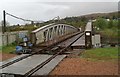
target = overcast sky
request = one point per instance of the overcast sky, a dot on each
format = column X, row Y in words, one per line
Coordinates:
column 44, row 10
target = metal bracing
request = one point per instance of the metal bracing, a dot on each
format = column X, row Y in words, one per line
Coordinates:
column 62, row 29
column 47, row 35
column 52, row 31
column 55, row 28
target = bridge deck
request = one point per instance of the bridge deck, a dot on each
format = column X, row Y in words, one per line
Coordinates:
column 55, row 40
column 67, row 42
column 80, row 43
column 45, row 70
column 12, row 59
column 25, row 65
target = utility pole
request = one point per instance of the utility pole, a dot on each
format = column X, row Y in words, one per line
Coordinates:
column 4, row 22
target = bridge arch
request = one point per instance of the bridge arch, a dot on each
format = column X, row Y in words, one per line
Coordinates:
column 51, row 31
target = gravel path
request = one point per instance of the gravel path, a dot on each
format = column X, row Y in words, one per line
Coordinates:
column 5, row 56
column 78, row 66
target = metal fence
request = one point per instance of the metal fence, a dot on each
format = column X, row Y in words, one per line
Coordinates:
column 10, row 37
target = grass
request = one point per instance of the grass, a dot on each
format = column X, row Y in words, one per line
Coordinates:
column 0, row 48
column 110, row 53
column 8, row 49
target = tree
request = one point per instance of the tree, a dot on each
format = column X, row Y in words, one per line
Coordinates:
column 110, row 24
column 7, row 24
column 101, row 23
column 115, row 23
column 2, row 23
column 83, row 18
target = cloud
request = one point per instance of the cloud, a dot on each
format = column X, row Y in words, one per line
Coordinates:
column 82, row 8
column 36, row 10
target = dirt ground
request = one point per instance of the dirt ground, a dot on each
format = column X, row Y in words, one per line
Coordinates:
column 78, row 66
column 74, row 65
column 5, row 56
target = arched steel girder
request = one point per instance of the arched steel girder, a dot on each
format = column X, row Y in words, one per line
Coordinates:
column 51, row 31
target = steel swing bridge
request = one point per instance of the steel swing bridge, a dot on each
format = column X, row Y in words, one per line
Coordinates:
column 55, row 38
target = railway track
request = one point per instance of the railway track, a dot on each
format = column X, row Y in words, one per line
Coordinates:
column 60, row 50
column 36, row 51
column 28, row 74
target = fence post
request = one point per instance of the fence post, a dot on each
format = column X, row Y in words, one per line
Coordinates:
column 17, row 38
column 2, row 41
column 7, row 38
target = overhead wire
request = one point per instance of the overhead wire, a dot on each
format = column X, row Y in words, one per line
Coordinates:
column 20, row 17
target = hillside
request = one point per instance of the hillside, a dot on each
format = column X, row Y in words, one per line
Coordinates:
column 78, row 21
column 81, row 20
column 111, row 15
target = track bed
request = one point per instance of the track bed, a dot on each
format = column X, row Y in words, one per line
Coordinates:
column 23, row 66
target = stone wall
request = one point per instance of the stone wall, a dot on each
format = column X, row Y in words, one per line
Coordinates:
column 10, row 37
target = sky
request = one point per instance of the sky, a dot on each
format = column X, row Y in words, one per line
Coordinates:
column 43, row 10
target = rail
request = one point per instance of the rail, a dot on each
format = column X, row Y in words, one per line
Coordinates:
column 28, row 74
column 50, row 47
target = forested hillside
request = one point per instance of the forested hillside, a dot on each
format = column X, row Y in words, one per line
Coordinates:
column 78, row 21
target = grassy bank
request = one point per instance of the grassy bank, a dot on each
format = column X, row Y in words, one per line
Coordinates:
column 110, row 53
column 0, row 48
column 8, row 49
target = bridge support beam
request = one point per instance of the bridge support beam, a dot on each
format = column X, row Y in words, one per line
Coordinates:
column 47, row 35
column 53, row 32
